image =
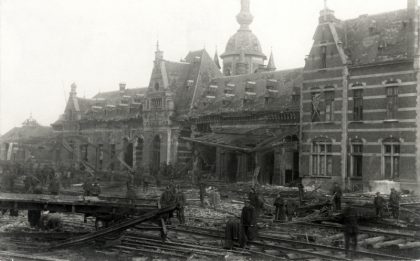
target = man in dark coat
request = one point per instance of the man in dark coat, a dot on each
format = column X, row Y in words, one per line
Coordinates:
column 248, row 224
column 181, row 201
column 290, row 209
column 379, row 203
column 279, row 204
column 394, row 203
column 351, row 228
column 167, row 199
column 301, row 189
column 337, row 194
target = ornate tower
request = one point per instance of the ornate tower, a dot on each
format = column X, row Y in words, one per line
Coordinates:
column 243, row 47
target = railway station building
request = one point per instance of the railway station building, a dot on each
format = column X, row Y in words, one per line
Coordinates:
column 350, row 115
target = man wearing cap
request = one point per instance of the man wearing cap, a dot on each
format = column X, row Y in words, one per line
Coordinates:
column 248, row 224
column 337, row 194
column 394, row 203
column 379, row 203
column 279, row 204
column 181, row 201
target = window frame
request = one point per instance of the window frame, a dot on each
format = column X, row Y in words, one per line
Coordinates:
column 329, row 96
column 394, row 155
column 321, row 160
column 358, row 105
column 354, row 157
column 391, row 94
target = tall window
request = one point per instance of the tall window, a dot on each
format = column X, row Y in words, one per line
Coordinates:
column 324, row 56
column 391, row 102
column 315, row 114
column 321, row 158
column 391, row 158
column 358, row 105
column 357, row 159
column 329, row 105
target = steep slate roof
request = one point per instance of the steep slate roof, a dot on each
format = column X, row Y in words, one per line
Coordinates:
column 114, row 97
column 284, row 84
column 193, row 77
column 376, row 38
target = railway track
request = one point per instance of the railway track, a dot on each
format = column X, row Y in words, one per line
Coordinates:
column 286, row 246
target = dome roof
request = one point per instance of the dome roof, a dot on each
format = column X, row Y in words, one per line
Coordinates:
column 246, row 41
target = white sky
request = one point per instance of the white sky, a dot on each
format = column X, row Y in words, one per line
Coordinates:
column 45, row 45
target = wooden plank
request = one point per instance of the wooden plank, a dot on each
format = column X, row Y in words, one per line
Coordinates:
column 113, row 229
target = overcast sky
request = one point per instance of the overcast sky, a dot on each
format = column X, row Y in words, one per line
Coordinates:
column 45, row 45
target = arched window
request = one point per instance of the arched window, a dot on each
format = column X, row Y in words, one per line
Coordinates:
column 156, row 86
column 316, row 100
column 321, row 157
column 390, row 158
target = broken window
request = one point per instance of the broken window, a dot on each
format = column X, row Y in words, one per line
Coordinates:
column 391, row 102
column 358, row 105
column 321, row 158
column 271, row 85
column 229, row 90
column 250, row 88
column 212, row 91
column 391, row 158
column 315, row 114
column 356, row 158
column 329, row 105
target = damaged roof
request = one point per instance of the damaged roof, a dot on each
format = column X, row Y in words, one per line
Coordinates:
column 377, row 38
column 263, row 91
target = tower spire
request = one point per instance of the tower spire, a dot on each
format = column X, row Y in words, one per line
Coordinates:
column 271, row 65
column 216, row 59
column 158, row 53
column 244, row 17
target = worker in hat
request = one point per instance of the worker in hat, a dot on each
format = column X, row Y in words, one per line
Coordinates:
column 379, row 203
column 248, row 224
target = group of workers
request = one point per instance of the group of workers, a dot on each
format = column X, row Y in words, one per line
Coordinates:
column 173, row 195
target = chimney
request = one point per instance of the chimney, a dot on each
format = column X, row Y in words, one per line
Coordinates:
column 73, row 88
column 122, row 87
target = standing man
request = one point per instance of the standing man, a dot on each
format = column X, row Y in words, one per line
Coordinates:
column 181, row 201
column 379, row 203
column 290, row 209
column 167, row 199
column 351, row 228
column 248, row 224
column 279, row 204
column 301, row 189
column 131, row 191
column 394, row 203
column 337, row 194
